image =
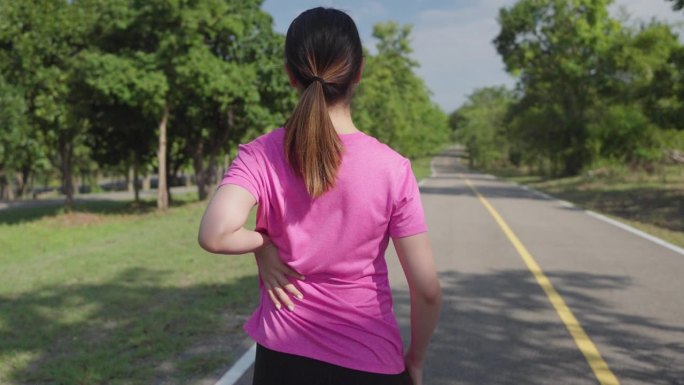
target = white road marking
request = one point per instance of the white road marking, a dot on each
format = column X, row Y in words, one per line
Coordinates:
column 239, row 368
column 613, row 222
column 604, row 218
column 638, row 232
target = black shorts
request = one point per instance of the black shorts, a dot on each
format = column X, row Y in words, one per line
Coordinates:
column 276, row 368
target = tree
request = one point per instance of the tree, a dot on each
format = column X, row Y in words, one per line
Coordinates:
column 123, row 99
column 678, row 4
column 558, row 49
column 12, row 134
column 392, row 102
column 665, row 102
column 480, row 124
column 40, row 41
column 205, row 71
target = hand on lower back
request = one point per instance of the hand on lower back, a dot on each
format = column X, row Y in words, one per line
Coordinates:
column 273, row 272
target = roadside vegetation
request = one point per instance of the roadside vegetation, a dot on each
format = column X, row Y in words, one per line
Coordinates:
column 89, row 89
column 596, row 116
column 116, row 293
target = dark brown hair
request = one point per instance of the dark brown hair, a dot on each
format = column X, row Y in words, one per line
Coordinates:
column 324, row 54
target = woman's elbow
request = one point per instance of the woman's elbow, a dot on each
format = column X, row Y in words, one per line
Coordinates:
column 209, row 242
column 430, row 294
column 433, row 295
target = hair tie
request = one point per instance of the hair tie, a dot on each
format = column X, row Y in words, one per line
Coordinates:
column 317, row 79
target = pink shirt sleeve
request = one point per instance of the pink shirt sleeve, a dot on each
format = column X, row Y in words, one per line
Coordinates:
column 244, row 171
column 407, row 210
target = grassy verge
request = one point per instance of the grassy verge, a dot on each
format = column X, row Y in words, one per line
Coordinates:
column 421, row 167
column 117, row 293
column 653, row 203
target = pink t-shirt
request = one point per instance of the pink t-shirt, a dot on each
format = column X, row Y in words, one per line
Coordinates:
column 338, row 243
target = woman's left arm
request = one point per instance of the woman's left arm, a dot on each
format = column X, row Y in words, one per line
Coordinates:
column 222, row 232
column 222, row 228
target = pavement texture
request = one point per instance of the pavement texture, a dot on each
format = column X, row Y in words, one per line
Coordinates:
column 497, row 325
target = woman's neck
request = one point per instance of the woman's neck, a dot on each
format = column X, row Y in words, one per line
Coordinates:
column 340, row 114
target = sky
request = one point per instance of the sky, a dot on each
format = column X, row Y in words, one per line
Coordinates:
column 451, row 39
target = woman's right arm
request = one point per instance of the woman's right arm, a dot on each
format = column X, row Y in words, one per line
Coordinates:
column 415, row 255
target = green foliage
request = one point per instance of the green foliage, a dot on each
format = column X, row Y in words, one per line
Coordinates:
column 40, row 42
column 102, row 72
column 12, row 122
column 678, row 4
column 555, row 45
column 623, row 133
column 480, row 125
column 591, row 89
column 90, row 80
column 665, row 101
column 392, row 103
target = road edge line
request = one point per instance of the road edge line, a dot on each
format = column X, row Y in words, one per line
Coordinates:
column 239, row 368
column 604, row 218
column 586, row 346
column 635, row 231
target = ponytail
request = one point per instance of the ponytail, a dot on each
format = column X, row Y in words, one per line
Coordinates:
column 323, row 52
column 312, row 146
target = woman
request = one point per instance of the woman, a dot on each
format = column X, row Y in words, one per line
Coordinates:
column 329, row 198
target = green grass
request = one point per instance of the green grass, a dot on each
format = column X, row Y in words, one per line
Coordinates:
column 421, row 167
column 117, row 293
column 654, row 203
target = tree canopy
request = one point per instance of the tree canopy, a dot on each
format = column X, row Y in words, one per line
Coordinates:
column 589, row 89
column 160, row 87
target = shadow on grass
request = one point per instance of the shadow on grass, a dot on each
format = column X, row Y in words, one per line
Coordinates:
column 130, row 330
column 499, row 328
column 42, row 209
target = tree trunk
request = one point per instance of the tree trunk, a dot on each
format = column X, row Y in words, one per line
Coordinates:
column 162, row 192
column 67, row 171
column 23, row 179
column 200, row 172
column 206, row 173
column 6, row 192
column 136, row 188
column 129, row 178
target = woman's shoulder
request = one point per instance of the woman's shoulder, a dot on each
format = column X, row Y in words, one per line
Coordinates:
column 384, row 153
column 265, row 142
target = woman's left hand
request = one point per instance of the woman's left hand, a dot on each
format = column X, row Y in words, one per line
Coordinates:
column 273, row 272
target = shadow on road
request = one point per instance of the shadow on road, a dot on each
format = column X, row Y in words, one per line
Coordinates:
column 491, row 332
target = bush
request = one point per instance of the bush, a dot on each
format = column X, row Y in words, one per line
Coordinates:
column 623, row 133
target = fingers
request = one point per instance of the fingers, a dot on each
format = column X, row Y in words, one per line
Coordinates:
column 274, row 299
column 278, row 293
column 284, row 298
column 292, row 289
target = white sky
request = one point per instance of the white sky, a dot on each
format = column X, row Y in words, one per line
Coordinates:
column 452, row 39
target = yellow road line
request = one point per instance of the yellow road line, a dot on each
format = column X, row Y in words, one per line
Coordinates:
column 603, row 373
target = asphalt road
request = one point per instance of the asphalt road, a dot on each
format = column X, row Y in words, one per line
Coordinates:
column 498, row 326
